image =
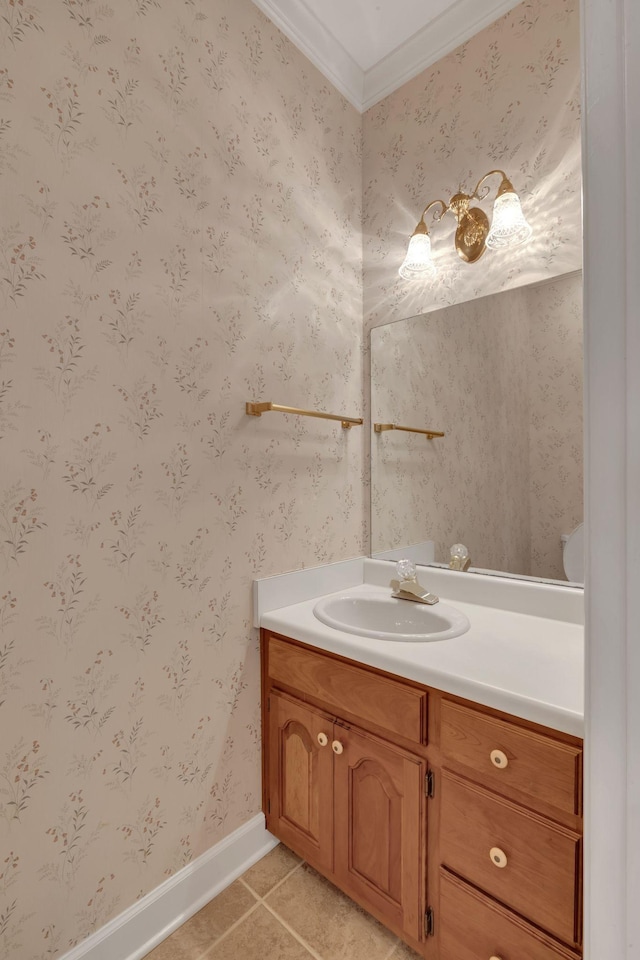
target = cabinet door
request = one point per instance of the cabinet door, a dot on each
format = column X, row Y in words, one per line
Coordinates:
column 379, row 828
column 300, row 765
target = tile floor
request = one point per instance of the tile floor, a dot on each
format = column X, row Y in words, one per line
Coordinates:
column 281, row 909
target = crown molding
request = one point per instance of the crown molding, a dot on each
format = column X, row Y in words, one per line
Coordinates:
column 453, row 27
column 318, row 44
column 363, row 89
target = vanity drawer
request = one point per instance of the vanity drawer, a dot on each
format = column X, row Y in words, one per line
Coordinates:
column 350, row 691
column 473, row 927
column 506, row 757
column 528, row 863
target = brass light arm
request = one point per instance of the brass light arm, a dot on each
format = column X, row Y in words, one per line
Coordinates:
column 502, row 189
column 433, row 203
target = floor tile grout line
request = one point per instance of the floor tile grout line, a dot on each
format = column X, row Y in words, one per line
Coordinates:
column 392, row 950
column 275, row 886
column 233, row 926
column 259, row 902
column 250, row 889
column 293, row 932
column 209, row 951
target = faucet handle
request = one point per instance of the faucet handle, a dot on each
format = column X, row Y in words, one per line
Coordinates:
column 406, row 570
column 460, row 559
column 407, row 587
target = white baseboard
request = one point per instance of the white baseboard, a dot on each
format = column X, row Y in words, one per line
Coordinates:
column 149, row 921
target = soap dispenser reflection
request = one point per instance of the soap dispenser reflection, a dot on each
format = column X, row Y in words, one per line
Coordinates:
column 460, row 559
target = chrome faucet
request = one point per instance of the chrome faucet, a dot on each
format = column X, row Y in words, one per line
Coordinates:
column 406, row 587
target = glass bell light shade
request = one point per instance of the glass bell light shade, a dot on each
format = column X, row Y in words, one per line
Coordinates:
column 418, row 262
column 508, row 227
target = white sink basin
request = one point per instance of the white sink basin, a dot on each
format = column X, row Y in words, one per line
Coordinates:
column 385, row 618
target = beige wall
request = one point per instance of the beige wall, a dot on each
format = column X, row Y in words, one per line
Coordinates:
column 180, row 234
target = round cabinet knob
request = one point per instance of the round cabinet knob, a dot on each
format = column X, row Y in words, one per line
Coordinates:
column 495, row 958
column 498, row 857
column 323, row 739
column 337, row 747
column 499, row 759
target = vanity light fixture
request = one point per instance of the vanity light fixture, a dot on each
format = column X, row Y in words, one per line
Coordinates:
column 474, row 233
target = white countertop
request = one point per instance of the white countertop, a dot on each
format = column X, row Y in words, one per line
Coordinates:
column 529, row 666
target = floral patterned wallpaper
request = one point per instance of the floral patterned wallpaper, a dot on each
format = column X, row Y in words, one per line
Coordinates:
column 502, row 377
column 181, row 233
column 507, row 98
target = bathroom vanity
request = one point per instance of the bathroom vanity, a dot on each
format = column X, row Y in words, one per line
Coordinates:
column 454, row 821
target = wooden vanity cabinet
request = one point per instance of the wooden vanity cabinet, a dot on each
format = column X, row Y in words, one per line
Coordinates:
column 509, row 834
column 349, row 803
column 455, row 825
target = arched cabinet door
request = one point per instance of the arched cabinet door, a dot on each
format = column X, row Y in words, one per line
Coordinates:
column 380, row 829
column 300, row 764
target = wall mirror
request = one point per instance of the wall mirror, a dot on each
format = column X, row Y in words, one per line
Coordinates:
column 501, row 378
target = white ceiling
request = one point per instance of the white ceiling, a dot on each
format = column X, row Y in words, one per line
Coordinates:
column 368, row 48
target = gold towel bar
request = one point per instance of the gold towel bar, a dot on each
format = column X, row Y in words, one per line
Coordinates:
column 429, row 434
column 257, row 409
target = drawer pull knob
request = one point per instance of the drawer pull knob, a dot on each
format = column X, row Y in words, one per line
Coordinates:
column 323, row 739
column 495, row 958
column 499, row 760
column 337, row 747
column 498, row 857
